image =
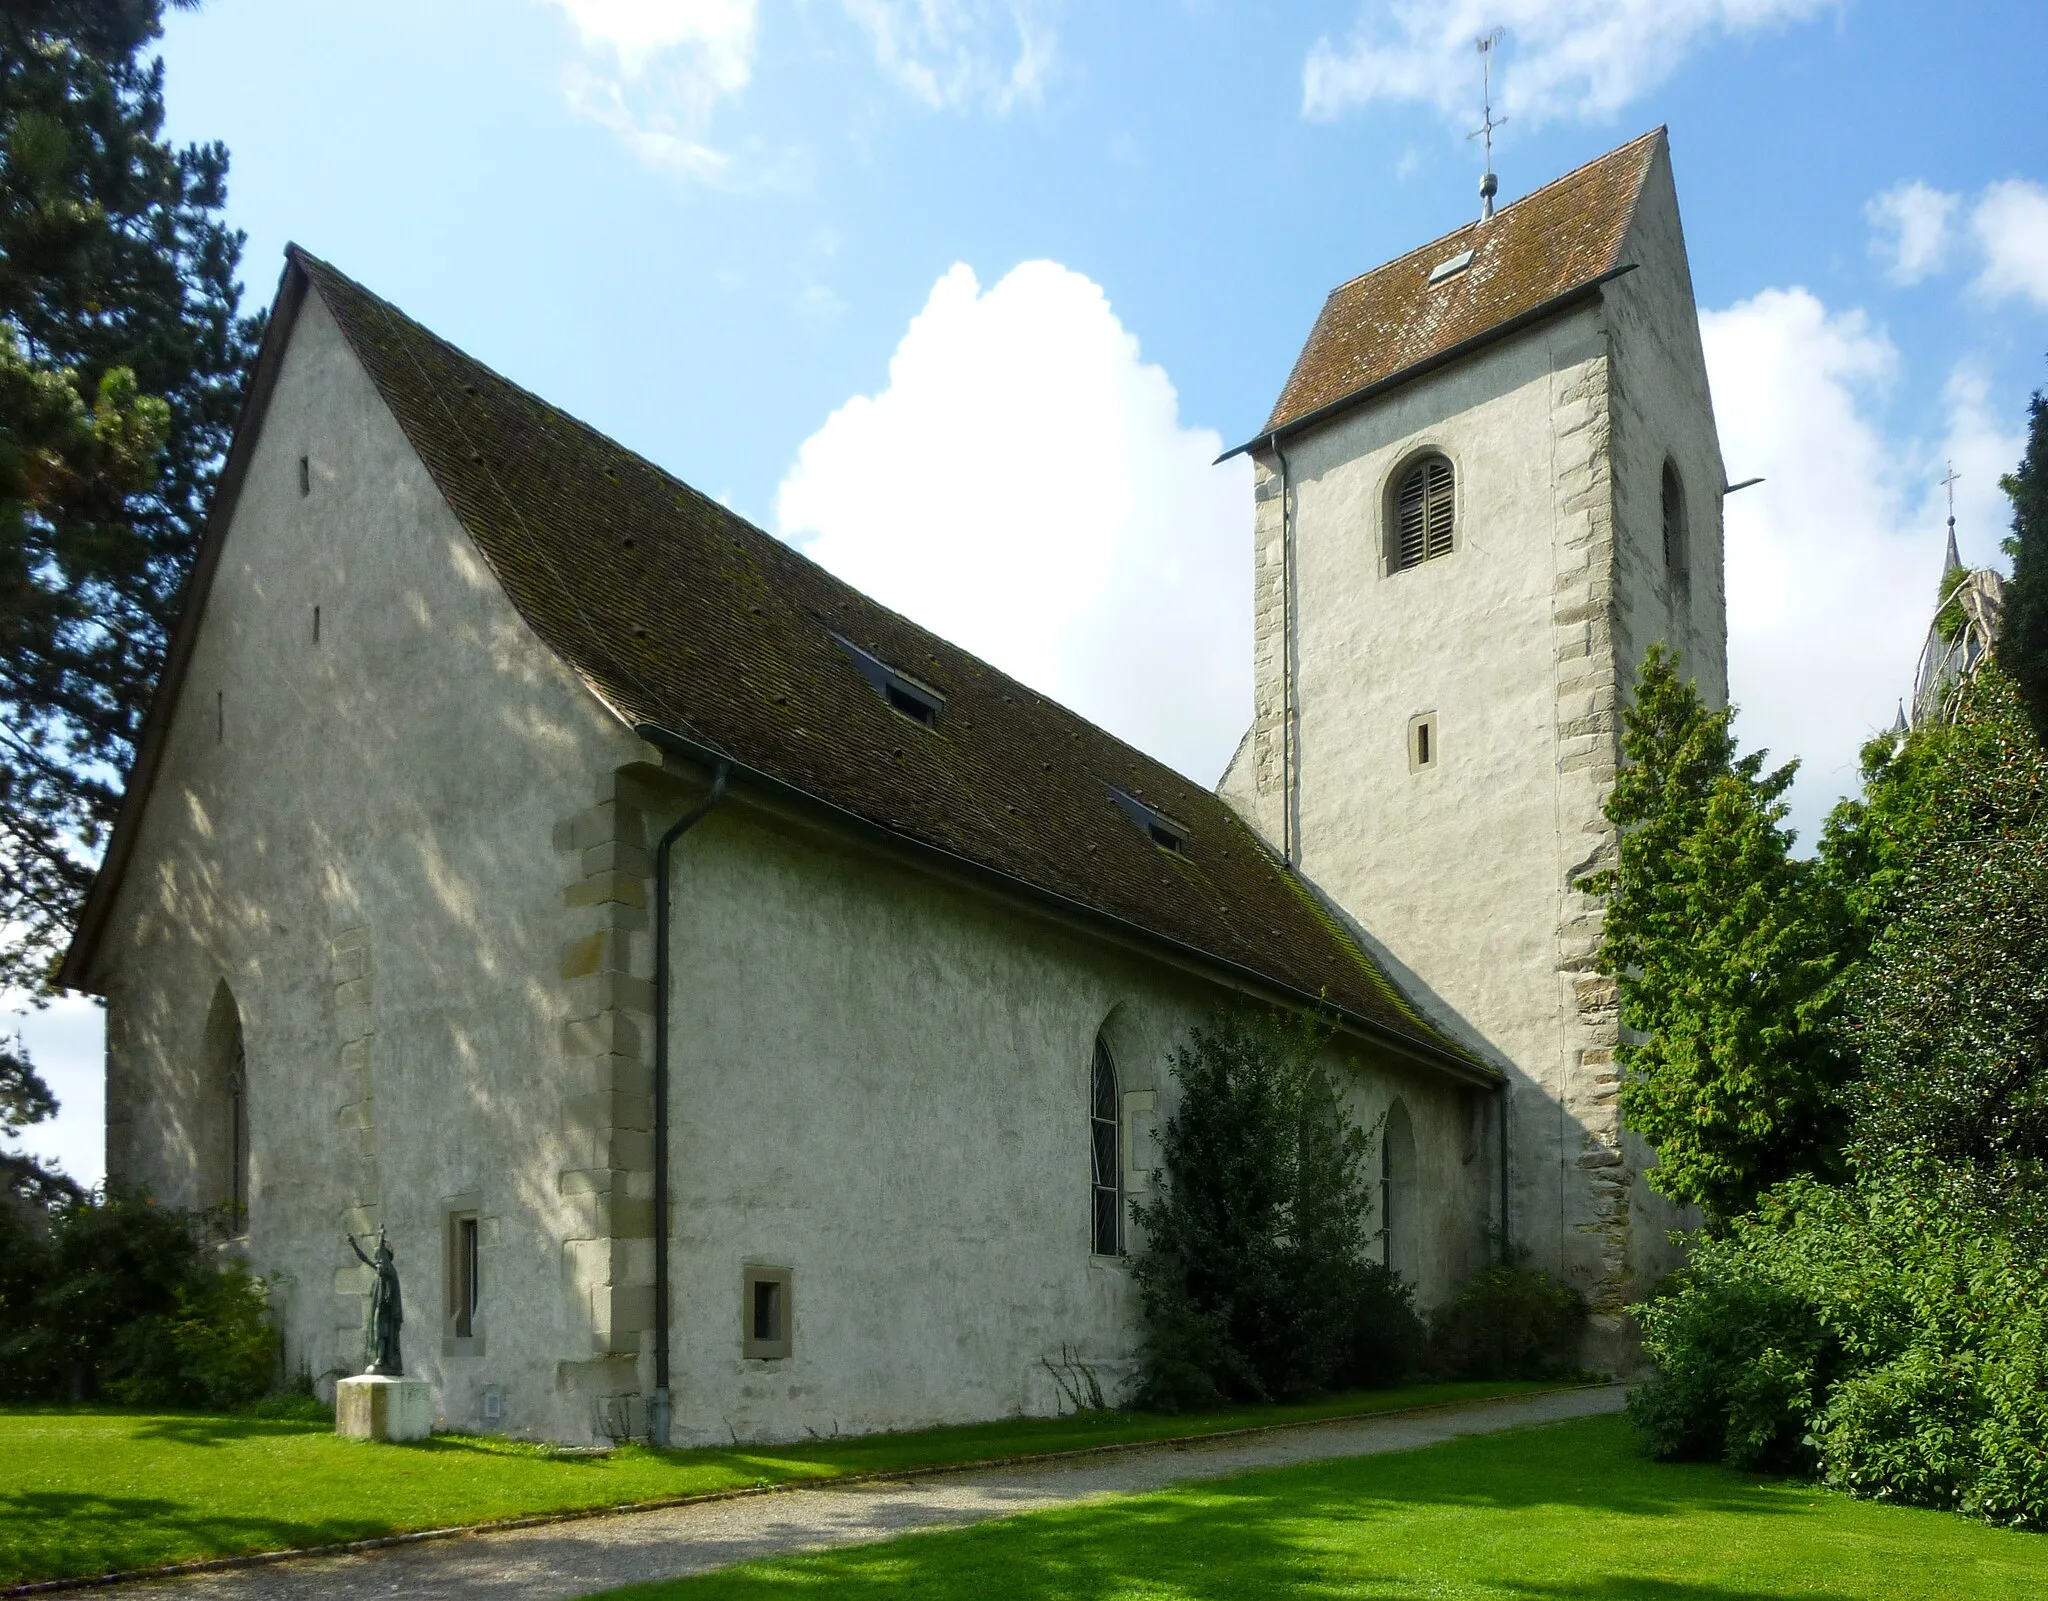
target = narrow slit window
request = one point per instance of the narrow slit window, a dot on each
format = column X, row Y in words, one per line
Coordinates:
column 1676, row 565
column 305, row 476
column 1424, row 514
column 1106, row 1196
column 465, row 1279
column 1422, row 742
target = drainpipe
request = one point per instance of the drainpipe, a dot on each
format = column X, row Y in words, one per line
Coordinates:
column 658, row 1410
column 1288, row 852
column 1500, row 1095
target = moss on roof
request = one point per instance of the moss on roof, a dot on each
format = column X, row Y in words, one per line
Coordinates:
column 1560, row 238
column 680, row 613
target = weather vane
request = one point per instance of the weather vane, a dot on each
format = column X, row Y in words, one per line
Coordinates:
column 1489, row 185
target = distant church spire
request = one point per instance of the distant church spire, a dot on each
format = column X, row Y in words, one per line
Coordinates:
column 1489, row 185
column 1954, row 563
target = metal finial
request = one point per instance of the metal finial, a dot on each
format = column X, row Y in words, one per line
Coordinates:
column 1489, row 185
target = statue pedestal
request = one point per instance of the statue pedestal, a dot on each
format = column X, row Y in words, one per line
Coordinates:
column 374, row 1406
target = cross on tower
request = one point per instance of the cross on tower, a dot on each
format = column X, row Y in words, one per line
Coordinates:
column 1489, row 185
column 1955, row 560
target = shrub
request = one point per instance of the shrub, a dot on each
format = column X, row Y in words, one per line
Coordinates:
column 1508, row 1321
column 1388, row 1338
column 124, row 1299
column 1252, row 1276
column 1889, row 1336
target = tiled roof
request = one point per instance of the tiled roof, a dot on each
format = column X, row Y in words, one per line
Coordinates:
column 681, row 614
column 1560, row 238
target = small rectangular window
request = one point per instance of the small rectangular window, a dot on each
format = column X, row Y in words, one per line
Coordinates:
column 765, row 1314
column 1422, row 742
column 305, row 476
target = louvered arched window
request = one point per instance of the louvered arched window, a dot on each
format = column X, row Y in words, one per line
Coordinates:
column 1424, row 517
column 1106, row 1190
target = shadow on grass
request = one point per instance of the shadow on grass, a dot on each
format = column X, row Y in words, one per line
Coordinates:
column 52, row 1534
column 1539, row 1514
column 206, row 1429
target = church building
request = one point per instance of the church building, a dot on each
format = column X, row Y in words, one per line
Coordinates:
column 746, row 1013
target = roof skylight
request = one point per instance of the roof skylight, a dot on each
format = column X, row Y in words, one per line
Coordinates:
column 1450, row 267
column 1162, row 830
column 902, row 694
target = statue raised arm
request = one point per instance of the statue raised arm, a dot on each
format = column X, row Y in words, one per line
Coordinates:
column 387, row 1309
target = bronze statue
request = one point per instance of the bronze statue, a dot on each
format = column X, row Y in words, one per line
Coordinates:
column 387, row 1310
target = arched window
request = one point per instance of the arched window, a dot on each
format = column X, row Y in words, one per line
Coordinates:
column 1106, row 1191
column 1675, row 559
column 224, row 1151
column 1400, row 1222
column 1423, row 515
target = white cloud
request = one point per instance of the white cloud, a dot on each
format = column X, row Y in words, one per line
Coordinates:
column 960, row 53
column 1024, row 486
column 1832, row 561
column 2011, row 224
column 653, row 71
column 1562, row 58
column 66, row 1041
column 1909, row 230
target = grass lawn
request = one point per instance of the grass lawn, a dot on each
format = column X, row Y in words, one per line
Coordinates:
column 96, row 1490
column 1565, row 1511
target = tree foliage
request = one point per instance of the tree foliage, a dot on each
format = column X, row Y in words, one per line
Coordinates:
column 115, row 1297
column 1890, row 1331
column 1256, row 1244
column 1725, row 950
column 121, row 367
column 2023, row 634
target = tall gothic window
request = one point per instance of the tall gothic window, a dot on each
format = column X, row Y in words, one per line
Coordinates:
column 1400, row 1201
column 1106, row 1158
column 1676, row 564
column 1423, row 518
column 222, row 1132
column 238, row 1136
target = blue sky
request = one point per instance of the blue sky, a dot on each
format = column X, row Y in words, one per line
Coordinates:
column 963, row 295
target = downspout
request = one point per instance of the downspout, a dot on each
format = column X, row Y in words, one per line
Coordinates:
column 1500, row 1096
column 658, row 1409
column 1288, row 852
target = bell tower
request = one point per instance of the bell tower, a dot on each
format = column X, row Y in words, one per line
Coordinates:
column 1491, row 482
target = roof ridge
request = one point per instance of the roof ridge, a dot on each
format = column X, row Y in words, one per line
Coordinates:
column 1502, row 211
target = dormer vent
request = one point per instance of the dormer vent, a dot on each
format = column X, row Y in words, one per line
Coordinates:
column 1162, row 830
column 903, row 694
column 1450, row 267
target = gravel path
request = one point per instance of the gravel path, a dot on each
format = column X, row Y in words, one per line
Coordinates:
column 575, row 1559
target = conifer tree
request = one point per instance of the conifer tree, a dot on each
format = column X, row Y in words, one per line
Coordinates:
column 1725, row 949
column 2023, row 633
column 121, row 367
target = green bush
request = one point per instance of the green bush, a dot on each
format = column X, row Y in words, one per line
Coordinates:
column 122, row 1298
column 1889, row 1337
column 1388, row 1338
column 1253, row 1276
column 1508, row 1321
